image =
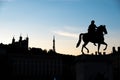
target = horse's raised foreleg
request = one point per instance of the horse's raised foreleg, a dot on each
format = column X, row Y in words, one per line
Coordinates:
column 84, row 46
column 105, row 45
column 100, row 44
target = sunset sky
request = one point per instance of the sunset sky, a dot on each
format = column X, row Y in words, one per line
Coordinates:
column 65, row 19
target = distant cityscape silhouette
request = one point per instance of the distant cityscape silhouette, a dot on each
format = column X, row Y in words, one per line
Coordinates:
column 20, row 62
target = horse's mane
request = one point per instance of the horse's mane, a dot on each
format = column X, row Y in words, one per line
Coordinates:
column 101, row 29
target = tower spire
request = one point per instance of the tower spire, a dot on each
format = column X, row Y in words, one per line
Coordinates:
column 54, row 43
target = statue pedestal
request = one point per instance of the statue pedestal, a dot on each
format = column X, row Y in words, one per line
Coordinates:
column 93, row 68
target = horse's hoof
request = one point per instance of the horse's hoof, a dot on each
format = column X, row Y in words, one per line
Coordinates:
column 83, row 53
column 104, row 49
column 87, row 51
column 95, row 44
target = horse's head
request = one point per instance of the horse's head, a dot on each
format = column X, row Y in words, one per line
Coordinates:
column 102, row 28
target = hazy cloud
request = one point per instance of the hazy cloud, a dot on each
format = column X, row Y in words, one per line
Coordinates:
column 71, row 28
column 66, row 34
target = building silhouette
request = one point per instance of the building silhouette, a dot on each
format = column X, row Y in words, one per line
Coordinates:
column 21, row 43
column 19, row 62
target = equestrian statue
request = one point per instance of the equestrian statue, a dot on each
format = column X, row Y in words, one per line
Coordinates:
column 95, row 35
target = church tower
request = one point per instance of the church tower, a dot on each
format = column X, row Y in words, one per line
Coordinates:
column 13, row 40
column 27, row 42
column 20, row 38
column 54, row 43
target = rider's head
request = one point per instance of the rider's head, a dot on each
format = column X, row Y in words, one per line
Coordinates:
column 92, row 22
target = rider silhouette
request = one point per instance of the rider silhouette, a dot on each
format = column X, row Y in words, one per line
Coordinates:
column 91, row 30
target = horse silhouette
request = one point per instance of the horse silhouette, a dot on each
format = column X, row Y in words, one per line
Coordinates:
column 97, row 38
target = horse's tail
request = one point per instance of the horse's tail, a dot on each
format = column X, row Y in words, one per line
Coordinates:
column 79, row 41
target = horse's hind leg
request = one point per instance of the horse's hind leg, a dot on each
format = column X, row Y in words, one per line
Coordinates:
column 84, row 46
column 98, row 47
column 87, row 49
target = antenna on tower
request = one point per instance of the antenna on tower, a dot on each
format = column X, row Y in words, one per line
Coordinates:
column 54, row 43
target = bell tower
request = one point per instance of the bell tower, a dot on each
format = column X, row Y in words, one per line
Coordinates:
column 20, row 38
column 13, row 40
